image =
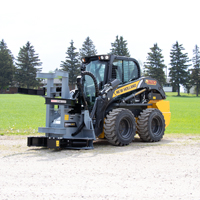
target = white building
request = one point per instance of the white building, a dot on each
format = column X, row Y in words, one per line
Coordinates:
column 167, row 87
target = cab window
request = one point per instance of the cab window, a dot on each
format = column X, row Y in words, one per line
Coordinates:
column 124, row 70
column 117, row 70
column 130, row 71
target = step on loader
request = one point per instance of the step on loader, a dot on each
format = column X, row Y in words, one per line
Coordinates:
column 112, row 101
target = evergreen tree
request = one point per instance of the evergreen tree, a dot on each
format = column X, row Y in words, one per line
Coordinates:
column 179, row 65
column 71, row 64
column 28, row 63
column 154, row 67
column 119, row 47
column 7, row 67
column 195, row 75
column 88, row 48
column 188, row 82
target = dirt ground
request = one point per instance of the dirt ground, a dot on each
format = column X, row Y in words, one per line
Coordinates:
column 169, row 169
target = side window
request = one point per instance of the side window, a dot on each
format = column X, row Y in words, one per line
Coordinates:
column 133, row 70
column 130, row 71
column 126, row 71
column 117, row 70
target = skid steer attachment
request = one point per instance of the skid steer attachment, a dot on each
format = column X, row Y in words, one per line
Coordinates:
column 67, row 126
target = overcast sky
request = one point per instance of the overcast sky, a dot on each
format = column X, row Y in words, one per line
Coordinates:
column 51, row 25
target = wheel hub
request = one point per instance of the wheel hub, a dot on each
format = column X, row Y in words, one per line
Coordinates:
column 156, row 125
column 124, row 128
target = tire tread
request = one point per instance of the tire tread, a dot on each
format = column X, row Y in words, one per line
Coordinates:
column 110, row 128
column 142, row 126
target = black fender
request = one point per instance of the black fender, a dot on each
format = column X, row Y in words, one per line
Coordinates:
column 152, row 85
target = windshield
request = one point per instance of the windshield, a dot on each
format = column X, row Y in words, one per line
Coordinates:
column 98, row 69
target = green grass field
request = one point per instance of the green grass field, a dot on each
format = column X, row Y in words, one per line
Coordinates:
column 23, row 114
column 185, row 113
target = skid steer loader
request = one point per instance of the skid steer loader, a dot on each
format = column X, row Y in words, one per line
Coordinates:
column 111, row 101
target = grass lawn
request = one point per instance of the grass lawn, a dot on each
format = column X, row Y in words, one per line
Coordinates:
column 185, row 113
column 23, row 114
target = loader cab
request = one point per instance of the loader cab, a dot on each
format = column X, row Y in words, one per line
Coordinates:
column 109, row 67
column 106, row 68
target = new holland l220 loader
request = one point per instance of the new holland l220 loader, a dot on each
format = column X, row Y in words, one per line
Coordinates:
column 111, row 101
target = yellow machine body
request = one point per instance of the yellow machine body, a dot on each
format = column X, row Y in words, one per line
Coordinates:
column 164, row 107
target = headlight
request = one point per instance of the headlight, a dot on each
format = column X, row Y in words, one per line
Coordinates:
column 107, row 57
column 104, row 57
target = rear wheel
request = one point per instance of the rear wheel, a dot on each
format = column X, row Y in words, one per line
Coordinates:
column 120, row 127
column 151, row 125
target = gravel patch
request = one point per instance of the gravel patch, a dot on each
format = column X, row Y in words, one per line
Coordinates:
column 169, row 169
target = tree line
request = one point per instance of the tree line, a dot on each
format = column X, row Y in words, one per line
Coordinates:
column 179, row 71
column 22, row 70
column 72, row 61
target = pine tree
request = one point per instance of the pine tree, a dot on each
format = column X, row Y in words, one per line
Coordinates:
column 195, row 75
column 88, row 48
column 28, row 63
column 179, row 65
column 154, row 67
column 119, row 47
column 7, row 67
column 188, row 82
column 71, row 64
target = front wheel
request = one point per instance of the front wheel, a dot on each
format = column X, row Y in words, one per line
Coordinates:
column 151, row 125
column 120, row 127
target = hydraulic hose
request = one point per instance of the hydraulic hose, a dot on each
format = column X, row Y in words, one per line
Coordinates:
column 79, row 129
column 94, row 79
column 94, row 108
column 96, row 90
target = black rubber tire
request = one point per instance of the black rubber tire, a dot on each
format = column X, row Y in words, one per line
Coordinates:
column 120, row 127
column 151, row 125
